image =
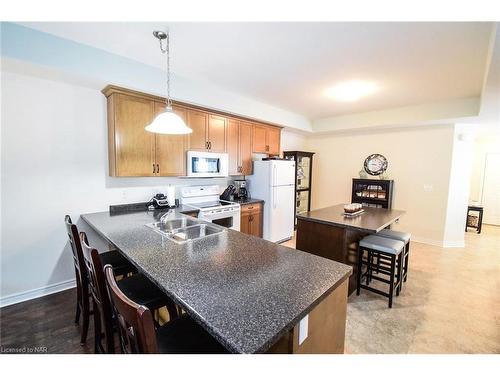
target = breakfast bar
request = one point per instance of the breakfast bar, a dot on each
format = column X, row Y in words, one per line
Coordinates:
column 251, row 295
column 329, row 233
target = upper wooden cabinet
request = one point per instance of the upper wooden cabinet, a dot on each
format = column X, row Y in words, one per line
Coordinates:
column 134, row 152
column 209, row 131
column 198, row 121
column 131, row 148
column 266, row 139
column 239, row 147
column 273, row 140
column 216, row 135
column 245, row 157
column 170, row 148
column 233, row 146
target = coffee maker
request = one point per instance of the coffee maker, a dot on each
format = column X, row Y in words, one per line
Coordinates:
column 241, row 189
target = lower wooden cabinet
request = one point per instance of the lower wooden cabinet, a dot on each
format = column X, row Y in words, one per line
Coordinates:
column 251, row 219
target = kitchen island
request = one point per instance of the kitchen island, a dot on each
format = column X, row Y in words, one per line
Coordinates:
column 328, row 233
column 248, row 293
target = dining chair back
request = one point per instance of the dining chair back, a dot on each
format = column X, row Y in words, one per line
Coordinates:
column 135, row 322
column 103, row 317
column 81, row 276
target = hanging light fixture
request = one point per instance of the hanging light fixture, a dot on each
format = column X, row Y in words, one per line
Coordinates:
column 167, row 122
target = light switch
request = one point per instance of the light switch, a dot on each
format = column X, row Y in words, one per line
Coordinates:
column 303, row 328
column 428, row 187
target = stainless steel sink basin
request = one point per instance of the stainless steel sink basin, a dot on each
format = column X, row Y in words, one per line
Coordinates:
column 181, row 230
column 194, row 232
column 173, row 224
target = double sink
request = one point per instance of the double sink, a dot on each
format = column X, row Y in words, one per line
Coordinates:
column 181, row 230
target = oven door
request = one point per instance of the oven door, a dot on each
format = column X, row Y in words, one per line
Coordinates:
column 207, row 164
column 226, row 219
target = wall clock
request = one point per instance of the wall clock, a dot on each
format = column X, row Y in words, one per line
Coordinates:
column 375, row 164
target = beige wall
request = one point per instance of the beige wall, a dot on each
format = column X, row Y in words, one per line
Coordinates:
column 482, row 145
column 419, row 163
column 292, row 141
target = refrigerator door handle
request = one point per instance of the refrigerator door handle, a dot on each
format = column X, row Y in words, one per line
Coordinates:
column 274, row 175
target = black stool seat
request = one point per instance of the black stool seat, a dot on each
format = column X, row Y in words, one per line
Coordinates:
column 184, row 336
column 143, row 292
column 120, row 264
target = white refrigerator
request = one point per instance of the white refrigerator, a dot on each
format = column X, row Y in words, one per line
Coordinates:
column 274, row 182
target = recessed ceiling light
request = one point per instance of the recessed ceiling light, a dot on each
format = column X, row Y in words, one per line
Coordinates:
column 351, row 91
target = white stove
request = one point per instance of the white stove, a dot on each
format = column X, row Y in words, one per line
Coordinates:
column 206, row 200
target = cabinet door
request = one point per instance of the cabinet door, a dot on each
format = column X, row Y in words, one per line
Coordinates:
column 233, row 146
column 134, row 146
column 259, row 139
column 245, row 223
column 198, row 121
column 256, row 224
column 217, row 133
column 273, row 140
column 245, row 159
column 171, row 149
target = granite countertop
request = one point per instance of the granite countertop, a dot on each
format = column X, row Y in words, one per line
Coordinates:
column 247, row 292
column 373, row 220
column 244, row 202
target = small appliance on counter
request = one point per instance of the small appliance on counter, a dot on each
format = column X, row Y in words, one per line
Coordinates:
column 160, row 201
column 241, row 190
column 228, row 194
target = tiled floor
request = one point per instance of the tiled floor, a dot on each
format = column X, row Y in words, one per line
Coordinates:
column 450, row 303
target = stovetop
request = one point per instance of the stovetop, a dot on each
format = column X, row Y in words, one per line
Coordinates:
column 212, row 204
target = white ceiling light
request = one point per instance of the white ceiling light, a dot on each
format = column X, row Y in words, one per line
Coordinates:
column 351, row 91
column 167, row 122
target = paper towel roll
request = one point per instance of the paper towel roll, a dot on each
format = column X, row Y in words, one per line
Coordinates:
column 171, row 195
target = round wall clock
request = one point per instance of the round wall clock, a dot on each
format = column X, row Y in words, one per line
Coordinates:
column 375, row 164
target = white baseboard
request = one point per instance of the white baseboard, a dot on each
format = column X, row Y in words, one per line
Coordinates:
column 36, row 293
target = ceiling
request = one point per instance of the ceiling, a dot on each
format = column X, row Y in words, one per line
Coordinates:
column 290, row 65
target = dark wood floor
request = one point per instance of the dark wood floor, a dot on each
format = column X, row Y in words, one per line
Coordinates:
column 44, row 324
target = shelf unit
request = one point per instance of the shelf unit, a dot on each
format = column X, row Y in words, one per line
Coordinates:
column 303, row 179
column 372, row 193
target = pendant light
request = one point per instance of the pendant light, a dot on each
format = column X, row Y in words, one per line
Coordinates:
column 167, row 122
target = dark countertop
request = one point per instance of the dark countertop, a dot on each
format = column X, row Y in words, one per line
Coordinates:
column 373, row 220
column 247, row 292
column 244, row 202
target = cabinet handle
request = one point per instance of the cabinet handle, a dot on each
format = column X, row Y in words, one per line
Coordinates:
column 250, row 218
column 157, row 168
column 154, row 169
column 206, row 145
column 209, row 145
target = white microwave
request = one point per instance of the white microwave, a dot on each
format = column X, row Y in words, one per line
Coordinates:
column 207, row 164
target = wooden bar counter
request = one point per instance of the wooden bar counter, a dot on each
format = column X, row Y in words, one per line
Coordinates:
column 328, row 233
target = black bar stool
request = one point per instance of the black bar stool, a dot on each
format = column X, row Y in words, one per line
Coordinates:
column 400, row 236
column 389, row 254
